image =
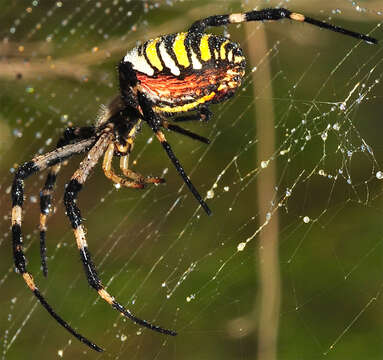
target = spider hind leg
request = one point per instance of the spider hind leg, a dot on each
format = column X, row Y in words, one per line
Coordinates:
column 188, row 133
column 273, row 14
column 154, row 122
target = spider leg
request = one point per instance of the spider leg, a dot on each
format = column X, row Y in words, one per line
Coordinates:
column 124, row 166
column 124, row 147
column 154, row 122
column 45, row 207
column 40, row 163
column 185, row 132
column 73, row 212
column 272, row 14
column 110, row 174
column 70, row 134
column 203, row 114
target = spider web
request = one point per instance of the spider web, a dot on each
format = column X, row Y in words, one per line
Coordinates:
column 294, row 247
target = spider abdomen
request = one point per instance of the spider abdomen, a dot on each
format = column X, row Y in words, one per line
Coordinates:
column 181, row 72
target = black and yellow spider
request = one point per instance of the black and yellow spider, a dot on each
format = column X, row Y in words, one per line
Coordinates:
column 165, row 78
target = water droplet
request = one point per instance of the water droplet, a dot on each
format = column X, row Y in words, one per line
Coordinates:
column 264, row 164
column 306, row 219
column 17, row 133
column 33, row 199
column 336, row 127
column 241, row 246
column 379, row 175
column 210, row 194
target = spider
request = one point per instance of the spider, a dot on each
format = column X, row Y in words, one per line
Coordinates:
column 166, row 78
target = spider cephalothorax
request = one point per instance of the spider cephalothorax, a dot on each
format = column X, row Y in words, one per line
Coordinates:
column 161, row 82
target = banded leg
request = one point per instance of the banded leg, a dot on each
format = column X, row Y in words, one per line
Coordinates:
column 40, row 163
column 185, row 132
column 272, row 14
column 45, row 207
column 73, row 212
column 69, row 136
column 154, row 123
column 124, row 166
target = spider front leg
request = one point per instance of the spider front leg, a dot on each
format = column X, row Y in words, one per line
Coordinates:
column 45, row 207
column 70, row 135
column 74, row 215
column 37, row 164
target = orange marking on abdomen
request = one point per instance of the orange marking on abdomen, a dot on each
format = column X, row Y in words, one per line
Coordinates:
column 169, row 90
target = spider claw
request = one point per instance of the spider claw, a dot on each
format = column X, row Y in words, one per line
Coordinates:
column 140, row 185
column 155, row 180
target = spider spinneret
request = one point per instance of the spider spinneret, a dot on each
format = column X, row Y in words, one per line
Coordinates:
column 161, row 81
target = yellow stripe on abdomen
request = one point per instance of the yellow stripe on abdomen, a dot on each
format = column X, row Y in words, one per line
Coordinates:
column 185, row 107
column 151, row 53
column 204, row 48
column 223, row 49
column 180, row 50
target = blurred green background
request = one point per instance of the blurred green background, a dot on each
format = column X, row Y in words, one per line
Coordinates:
column 293, row 169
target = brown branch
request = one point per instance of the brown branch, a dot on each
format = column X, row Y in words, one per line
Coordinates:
column 267, row 308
